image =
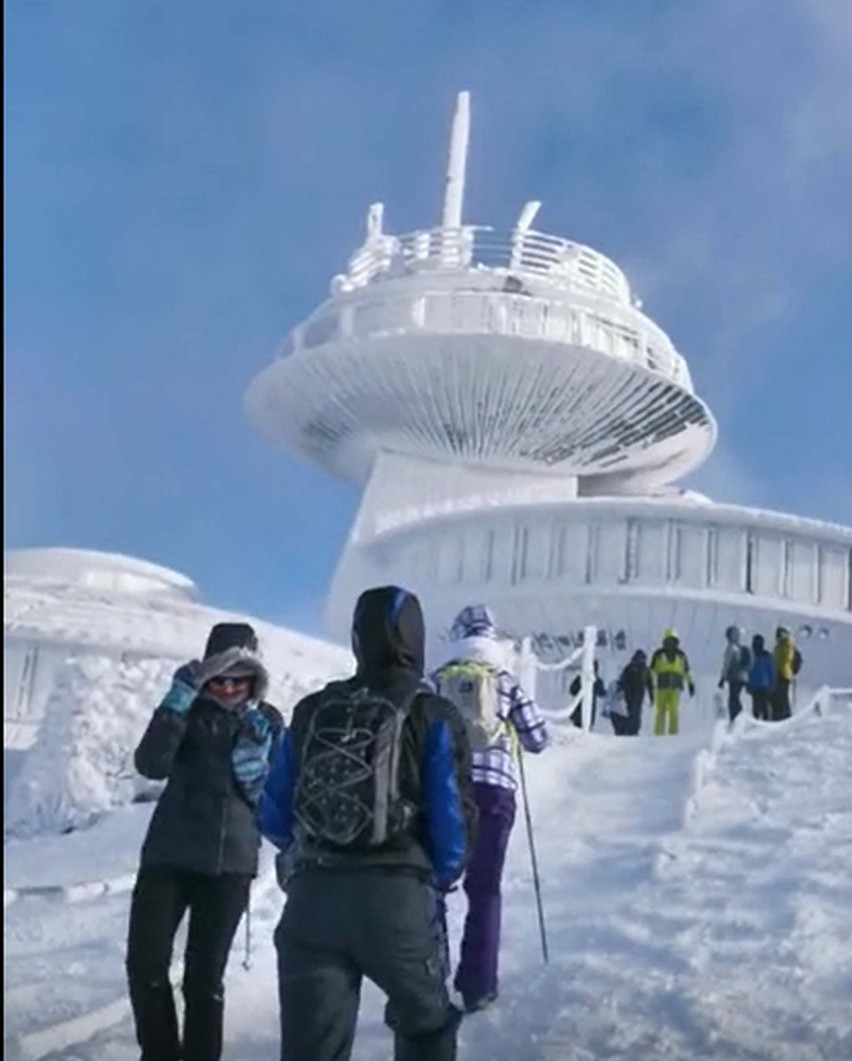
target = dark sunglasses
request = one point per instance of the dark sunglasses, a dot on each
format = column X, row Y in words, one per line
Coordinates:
column 228, row 680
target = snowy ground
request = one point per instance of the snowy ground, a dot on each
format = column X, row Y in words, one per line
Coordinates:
column 698, row 901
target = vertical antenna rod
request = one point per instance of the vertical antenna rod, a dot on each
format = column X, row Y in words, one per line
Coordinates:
column 454, row 189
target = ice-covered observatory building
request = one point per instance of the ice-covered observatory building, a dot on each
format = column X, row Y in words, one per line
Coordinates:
column 519, row 425
column 60, row 603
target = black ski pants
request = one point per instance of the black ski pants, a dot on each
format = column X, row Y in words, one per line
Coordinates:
column 339, row 926
column 161, row 897
column 760, row 704
column 634, row 715
column 735, row 704
column 781, row 707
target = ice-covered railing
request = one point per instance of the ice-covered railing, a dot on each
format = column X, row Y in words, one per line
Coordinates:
column 822, row 700
column 583, row 656
column 518, row 253
column 616, row 329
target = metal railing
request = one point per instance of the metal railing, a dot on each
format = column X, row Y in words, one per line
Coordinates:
column 518, row 252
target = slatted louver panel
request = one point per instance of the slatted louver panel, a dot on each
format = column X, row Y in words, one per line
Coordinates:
column 767, row 560
column 611, row 552
column 450, row 558
column 651, row 552
column 571, row 559
column 834, row 576
column 536, row 551
column 729, row 559
column 802, row 570
column 690, row 555
column 476, row 554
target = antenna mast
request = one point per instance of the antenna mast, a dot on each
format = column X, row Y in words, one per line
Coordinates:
column 457, row 165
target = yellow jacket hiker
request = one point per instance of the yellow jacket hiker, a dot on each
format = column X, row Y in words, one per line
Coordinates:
column 671, row 675
column 785, row 651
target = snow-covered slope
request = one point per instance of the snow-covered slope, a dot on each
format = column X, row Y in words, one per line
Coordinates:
column 698, row 905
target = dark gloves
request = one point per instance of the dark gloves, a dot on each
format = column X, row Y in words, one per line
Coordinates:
column 184, row 688
column 284, row 868
column 692, row 688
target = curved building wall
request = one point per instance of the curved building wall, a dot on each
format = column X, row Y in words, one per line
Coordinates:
column 700, row 552
column 630, row 568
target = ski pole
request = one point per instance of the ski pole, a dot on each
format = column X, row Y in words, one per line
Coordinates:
column 247, row 958
column 533, row 859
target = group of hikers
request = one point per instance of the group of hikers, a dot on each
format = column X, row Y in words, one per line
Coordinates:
column 384, row 793
column 663, row 680
column 766, row 676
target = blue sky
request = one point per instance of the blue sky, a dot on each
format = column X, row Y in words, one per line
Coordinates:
column 182, row 181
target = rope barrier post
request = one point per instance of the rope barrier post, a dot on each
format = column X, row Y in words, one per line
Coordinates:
column 590, row 635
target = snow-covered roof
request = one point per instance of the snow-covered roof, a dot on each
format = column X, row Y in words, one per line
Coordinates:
column 88, row 567
column 58, row 600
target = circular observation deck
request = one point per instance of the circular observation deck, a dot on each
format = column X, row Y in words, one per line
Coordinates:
column 522, row 352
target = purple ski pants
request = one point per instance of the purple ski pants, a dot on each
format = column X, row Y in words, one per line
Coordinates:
column 476, row 976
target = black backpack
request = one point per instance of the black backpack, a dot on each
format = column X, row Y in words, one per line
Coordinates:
column 347, row 782
column 745, row 657
column 796, row 665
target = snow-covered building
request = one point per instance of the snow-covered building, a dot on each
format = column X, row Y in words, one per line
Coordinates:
column 519, row 426
column 60, row 603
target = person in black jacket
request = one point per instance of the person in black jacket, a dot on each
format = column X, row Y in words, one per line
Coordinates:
column 635, row 681
column 364, row 908
column 210, row 739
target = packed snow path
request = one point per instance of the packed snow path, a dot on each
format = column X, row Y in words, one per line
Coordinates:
column 699, row 905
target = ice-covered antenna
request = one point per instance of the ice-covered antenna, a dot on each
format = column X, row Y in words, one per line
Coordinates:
column 375, row 218
column 527, row 216
column 459, row 137
column 526, row 219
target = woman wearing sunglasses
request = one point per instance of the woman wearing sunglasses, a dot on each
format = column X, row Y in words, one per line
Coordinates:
column 210, row 739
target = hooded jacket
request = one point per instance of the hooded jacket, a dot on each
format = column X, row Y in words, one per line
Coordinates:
column 388, row 640
column 635, row 681
column 204, row 820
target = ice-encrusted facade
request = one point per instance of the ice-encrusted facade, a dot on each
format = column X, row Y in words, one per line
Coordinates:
column 518, row 423
column 60, row 603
